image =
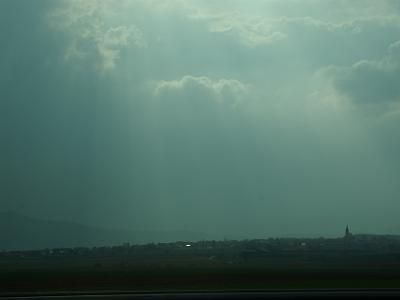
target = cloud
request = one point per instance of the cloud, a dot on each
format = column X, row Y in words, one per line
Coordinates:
column 259, row 27
column 222, row 90
column 113, row 40
column 251, row 31
column 370, row 81
column 92, row 36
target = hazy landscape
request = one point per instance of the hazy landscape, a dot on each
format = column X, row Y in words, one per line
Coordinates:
column 199, row 144
column 367, row 262
column 98, row 263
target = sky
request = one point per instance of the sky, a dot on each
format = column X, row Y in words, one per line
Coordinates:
column 240, row 118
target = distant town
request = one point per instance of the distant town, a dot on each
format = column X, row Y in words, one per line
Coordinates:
column 354, row 260
column 271, row 250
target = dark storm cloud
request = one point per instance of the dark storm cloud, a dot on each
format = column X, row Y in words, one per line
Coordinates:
column 371, row 82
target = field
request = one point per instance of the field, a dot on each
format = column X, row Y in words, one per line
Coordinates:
column 171, row 267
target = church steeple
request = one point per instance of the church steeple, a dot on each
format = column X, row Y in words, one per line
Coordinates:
column 347, row 233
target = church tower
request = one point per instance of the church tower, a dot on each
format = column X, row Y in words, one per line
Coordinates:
column 347, row 233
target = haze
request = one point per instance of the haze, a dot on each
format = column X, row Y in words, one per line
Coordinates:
column 238, row 118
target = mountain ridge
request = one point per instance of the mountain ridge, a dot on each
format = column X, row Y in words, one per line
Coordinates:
column 21, row 232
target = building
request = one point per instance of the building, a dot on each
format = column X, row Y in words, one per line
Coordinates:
column 348, row 235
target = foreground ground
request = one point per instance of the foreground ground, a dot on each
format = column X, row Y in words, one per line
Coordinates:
column 225, row 265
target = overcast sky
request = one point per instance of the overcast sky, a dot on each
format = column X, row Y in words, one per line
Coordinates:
column 241, row 118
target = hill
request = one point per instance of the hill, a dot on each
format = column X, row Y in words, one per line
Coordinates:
column 20, row 232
